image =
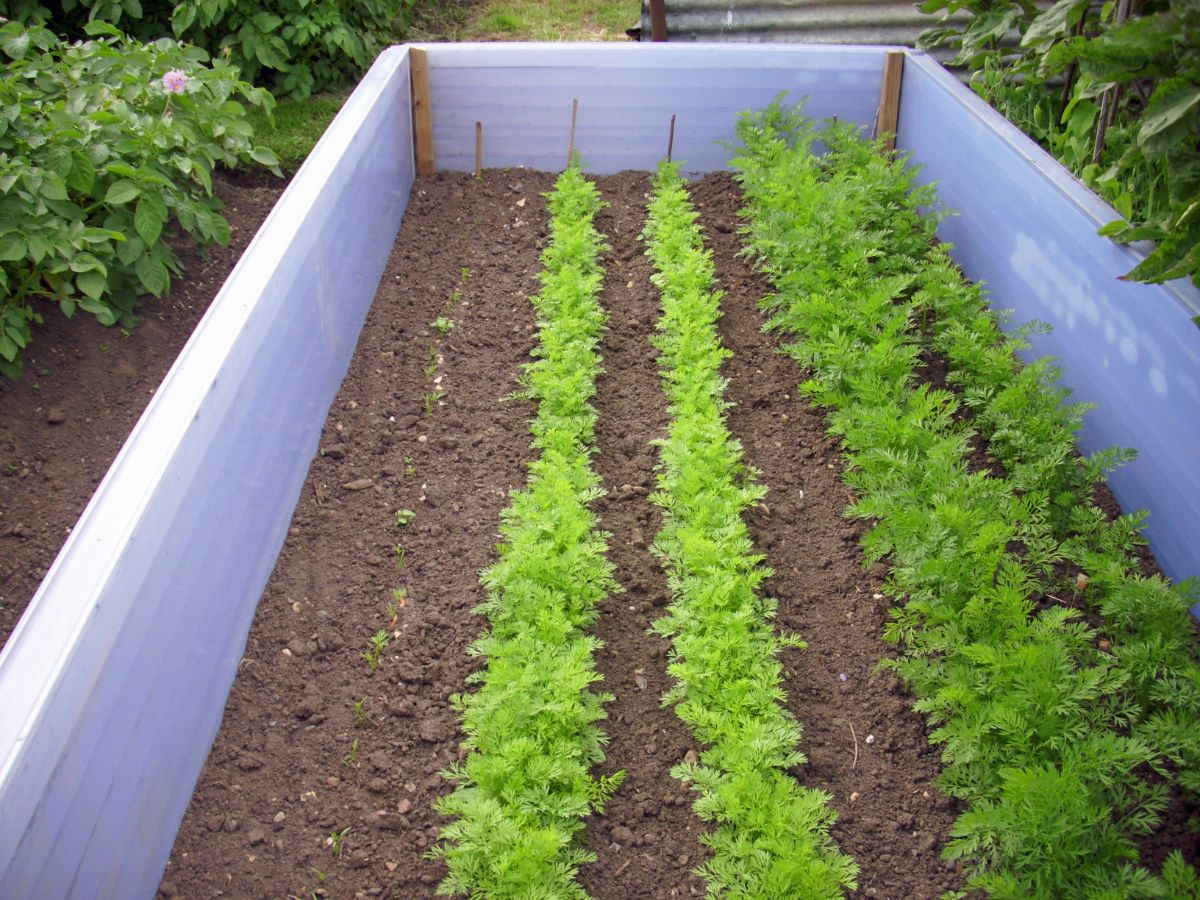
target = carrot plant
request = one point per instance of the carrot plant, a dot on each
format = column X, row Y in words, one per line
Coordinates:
column 1050, row 725
column 772, row 835
column 531, row 727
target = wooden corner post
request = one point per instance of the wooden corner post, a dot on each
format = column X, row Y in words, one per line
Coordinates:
column 422, row 111
column 889, row 98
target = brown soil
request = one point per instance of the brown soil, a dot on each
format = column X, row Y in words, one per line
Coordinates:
column 646, row 841
column 84, row 388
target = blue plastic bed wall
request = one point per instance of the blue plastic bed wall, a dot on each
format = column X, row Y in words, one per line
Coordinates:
column 114, row 683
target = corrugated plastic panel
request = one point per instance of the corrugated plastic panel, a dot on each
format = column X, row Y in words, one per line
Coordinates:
column 627, row 94
column 1027, row 228
column 114, row 682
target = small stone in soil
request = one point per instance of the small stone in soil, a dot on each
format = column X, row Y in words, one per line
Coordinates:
column 56, row 416
column 359, row 484
column 622, row 835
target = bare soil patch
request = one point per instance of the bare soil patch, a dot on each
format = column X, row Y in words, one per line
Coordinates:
column 83, row 390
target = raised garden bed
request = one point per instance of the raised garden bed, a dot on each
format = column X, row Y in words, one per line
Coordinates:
column 111, row 723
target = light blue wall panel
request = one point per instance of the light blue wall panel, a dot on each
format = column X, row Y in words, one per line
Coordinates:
column 1028, row 229
column 114, row 682
column 627, row 95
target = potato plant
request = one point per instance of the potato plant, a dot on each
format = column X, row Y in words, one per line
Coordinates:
column 292, row 47
column 103, row 144
column 772, row 835
column 1050, row 726
column 531, row 727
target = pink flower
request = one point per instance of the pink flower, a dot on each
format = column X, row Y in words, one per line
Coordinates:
column 174, row 81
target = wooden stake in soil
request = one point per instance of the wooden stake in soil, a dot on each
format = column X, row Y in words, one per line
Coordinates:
column 671, row 138
column 571, row 139
column 478, row 149
column 889, row 98
column 422, row 111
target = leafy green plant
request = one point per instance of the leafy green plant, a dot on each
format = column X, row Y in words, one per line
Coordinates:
column 359, row 708
column 531, row 726
column 292, row 47
column 103, row 143
column 1114, row 95
column 404, row 517
column 337, row 839
column 350, row 759
column 429, row 400
column 443, row 325
column 772, row 836
column 375, row 649
column 1048, row 724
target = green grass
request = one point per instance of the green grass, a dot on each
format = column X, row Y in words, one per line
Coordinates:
column 530, row 20
column 295, row 127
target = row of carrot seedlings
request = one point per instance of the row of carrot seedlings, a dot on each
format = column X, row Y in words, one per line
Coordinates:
column 1063, row 683
column 531, row 728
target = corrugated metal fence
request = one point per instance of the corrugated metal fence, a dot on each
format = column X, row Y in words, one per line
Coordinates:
column 799, row 21
column 793, row 21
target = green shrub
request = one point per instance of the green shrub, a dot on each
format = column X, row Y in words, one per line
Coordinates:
column 292, row 47
column 1115, row 98
column 97, row 156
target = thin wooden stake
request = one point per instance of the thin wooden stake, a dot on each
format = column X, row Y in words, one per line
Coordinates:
column 658, row 21
column 671, row 139
column 422, row 111
column 889, row 98
column 571, row 139
column 1109, row 99
column 478, row 149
